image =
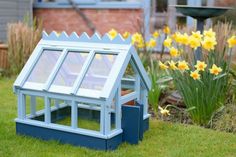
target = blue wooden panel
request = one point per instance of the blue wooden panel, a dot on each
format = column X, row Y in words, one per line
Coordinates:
column 131, row 123
column 70, row 138
column 145, row 124
column 141, row 130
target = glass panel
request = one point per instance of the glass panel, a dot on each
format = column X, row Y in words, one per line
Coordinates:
column 70, row 69
column 98, row 71
column 44, row 66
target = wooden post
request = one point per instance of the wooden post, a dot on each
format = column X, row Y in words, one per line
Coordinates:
column 74, row 115
column 118, row 108
column 33, row 105
column 47, row 111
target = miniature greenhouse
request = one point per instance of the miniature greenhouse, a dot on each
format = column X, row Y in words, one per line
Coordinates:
column 83, row 91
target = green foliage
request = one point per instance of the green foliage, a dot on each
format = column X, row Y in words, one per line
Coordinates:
column 159, row 83
column 207, row 94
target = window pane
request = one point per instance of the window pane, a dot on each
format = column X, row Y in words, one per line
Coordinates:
column 98, row 72
column 70, row 69
column 44, row 66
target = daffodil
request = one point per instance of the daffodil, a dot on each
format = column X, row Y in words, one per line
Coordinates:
column 197, row 35
column 232, row 41
column 172, row 65
column 174, row 52
column 164, row 111
column 183, row 65
column 185, row 39
column 166, row 30
column 215, row 70
column 182, row 38
column 137, row 37
column 151, row 43
column 209, row 33
column 126, row 35
column 112, row 33
column 137, row 40
column 194, row 42
column 155, row 34
column 140, row 44
column 195, row 75
column 209, row 43
column 167, row 42
column 162, row 66
column 200, row 66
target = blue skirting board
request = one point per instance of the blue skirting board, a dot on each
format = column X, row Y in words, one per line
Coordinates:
column 133, row 127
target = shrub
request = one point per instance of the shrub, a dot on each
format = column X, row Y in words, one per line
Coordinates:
column 22, row 39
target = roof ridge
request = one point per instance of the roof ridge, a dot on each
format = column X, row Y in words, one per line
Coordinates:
column 84, row 37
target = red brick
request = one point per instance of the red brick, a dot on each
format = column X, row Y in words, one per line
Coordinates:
column 104, row 19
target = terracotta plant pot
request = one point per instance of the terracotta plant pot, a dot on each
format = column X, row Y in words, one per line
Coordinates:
column 125, row 92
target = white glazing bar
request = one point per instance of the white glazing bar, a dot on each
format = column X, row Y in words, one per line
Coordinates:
column 47, row 115
column 74, row 115
column 137, row 87
column 118, row 108
column 28, row 66
column 55, row 70
column 84, row 70
column 33, row 105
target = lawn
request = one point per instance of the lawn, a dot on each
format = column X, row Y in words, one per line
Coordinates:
column 163, row 139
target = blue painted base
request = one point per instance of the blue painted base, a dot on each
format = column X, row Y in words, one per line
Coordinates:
column 133, row 127
column 67, row 137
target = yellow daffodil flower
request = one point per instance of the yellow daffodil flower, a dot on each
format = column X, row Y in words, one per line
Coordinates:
column 167, row 42
column 209, row 43
column 162, row 66
column 182, row 38
column 232, row 41
column 172, row 65
column 151, row 43
column 183, row 65
column 174, row 52
column 209, row 33
column 195, row 75
column 164, row 111
column 215, row 70
column 137, row 37
column 126, row 35
column 155, row 34
column 112, row 33
column 166, row 30
column 200, row 66
column 185, row 39
column 140, row 44
column 197, row 35
column 194, row 42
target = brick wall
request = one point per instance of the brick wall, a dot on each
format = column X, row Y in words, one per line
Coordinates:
column 226, row 3
column 104, row 19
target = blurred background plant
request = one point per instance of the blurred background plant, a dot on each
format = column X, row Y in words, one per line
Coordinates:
column 22, row 39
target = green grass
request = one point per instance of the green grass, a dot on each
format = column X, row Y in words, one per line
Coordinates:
column 162, row 140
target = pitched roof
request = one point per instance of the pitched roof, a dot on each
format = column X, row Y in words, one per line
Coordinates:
column 90, row 54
